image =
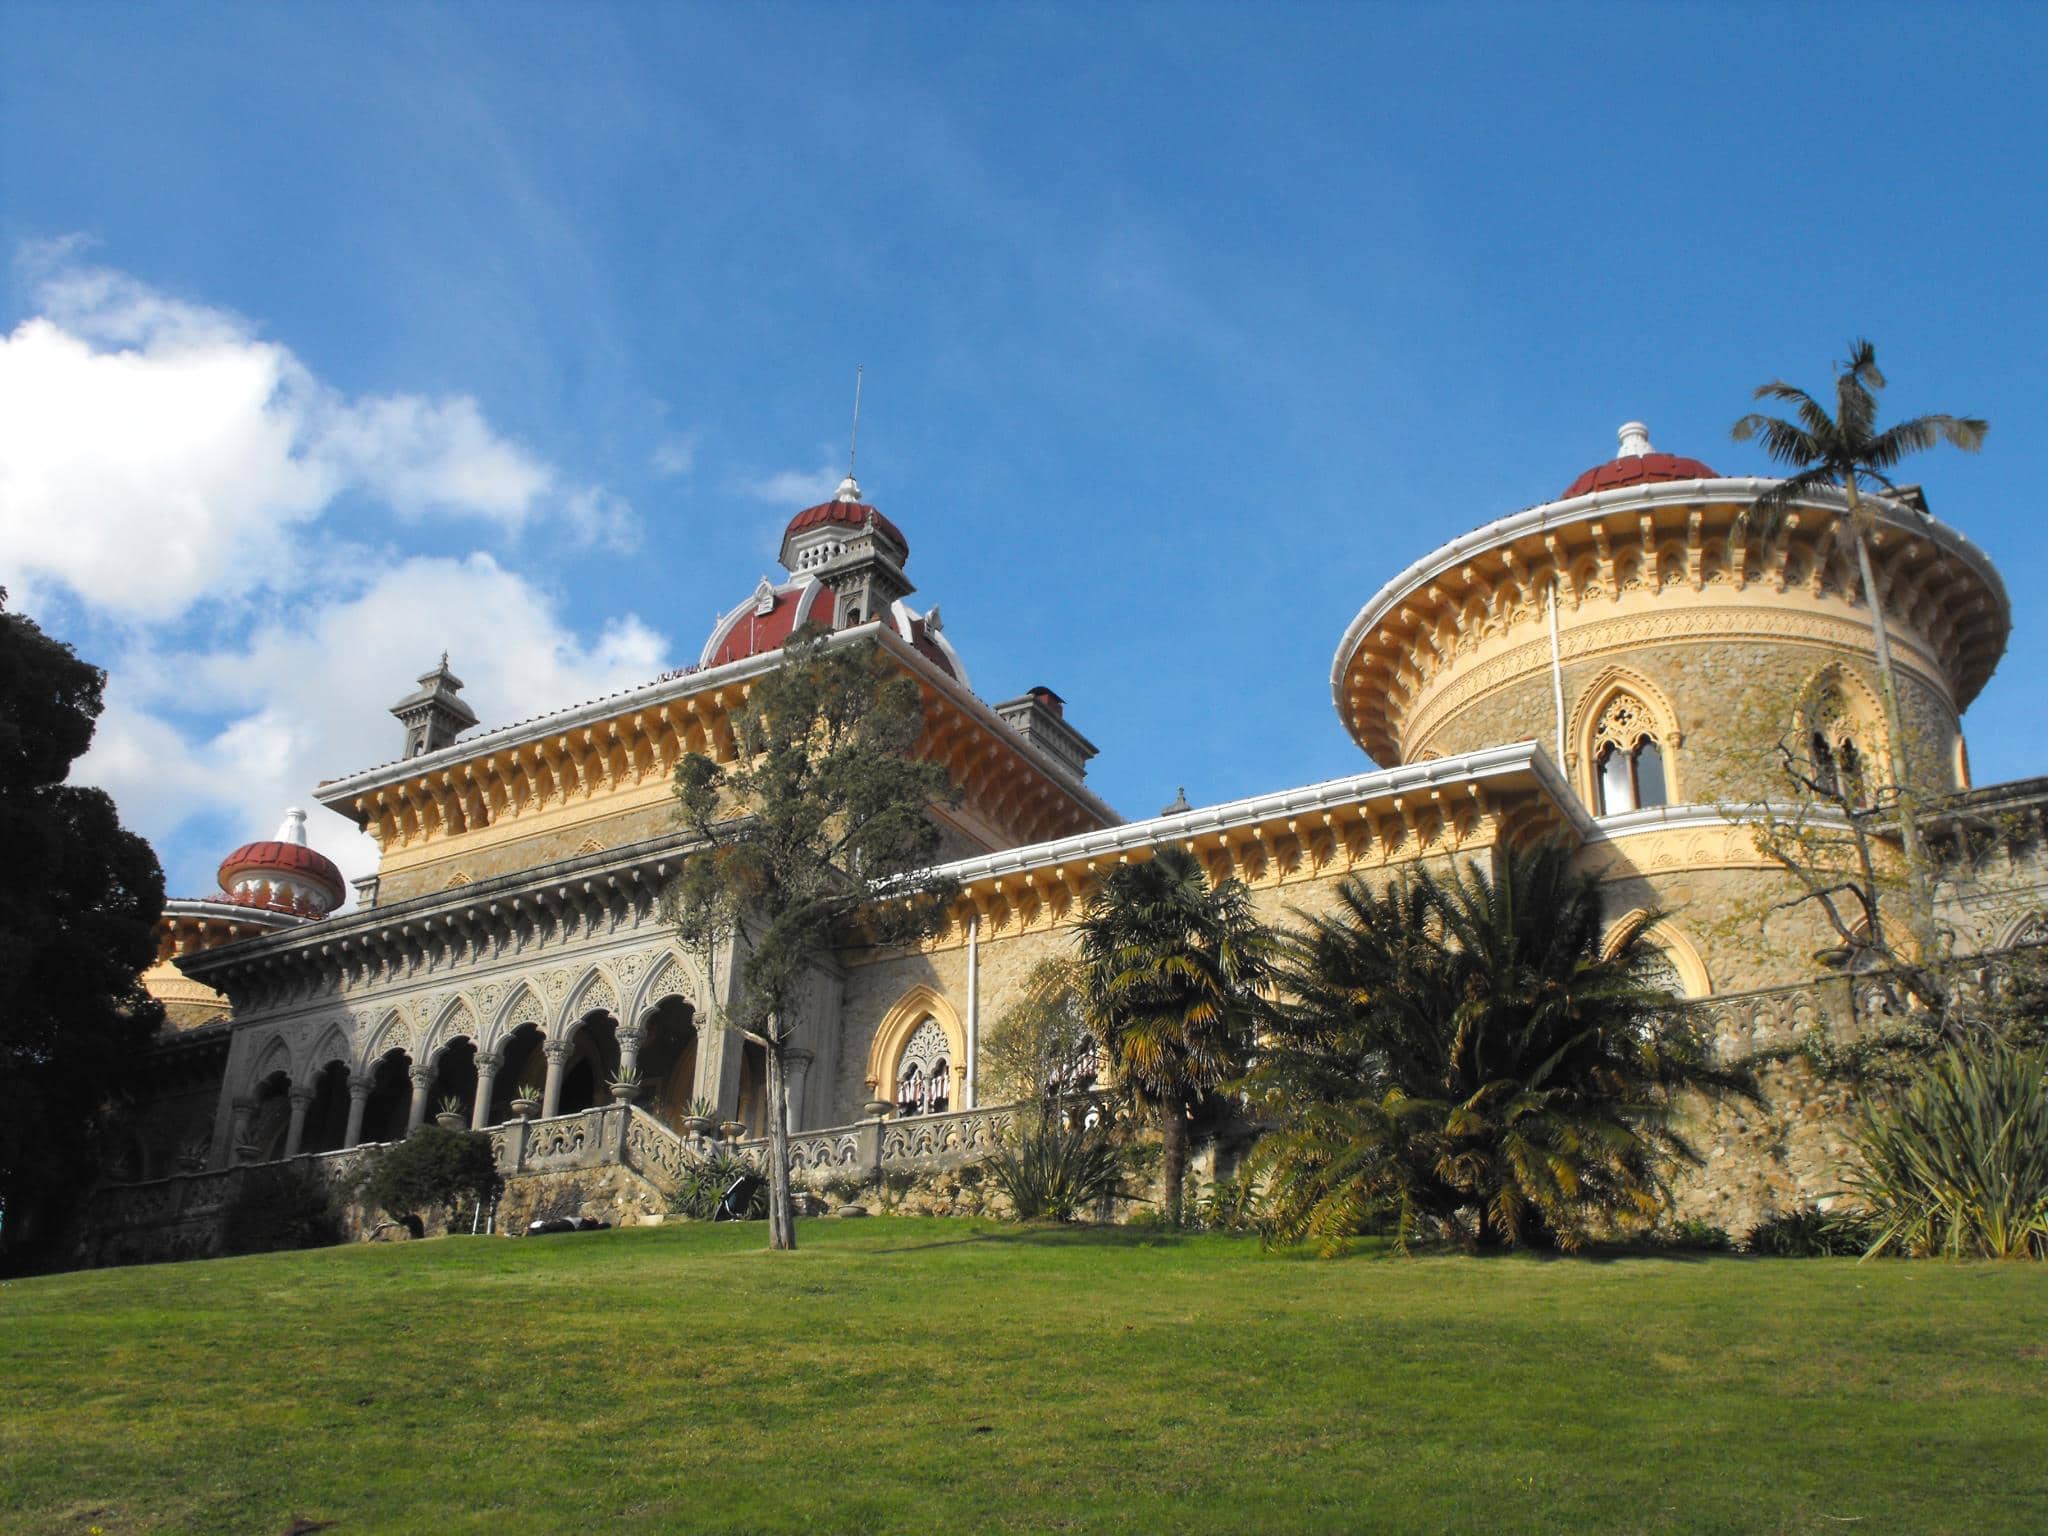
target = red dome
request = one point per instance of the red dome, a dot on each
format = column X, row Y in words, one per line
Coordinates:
column 848, row 514
column 1638, row 469
column 284, row 859
column 745, row 631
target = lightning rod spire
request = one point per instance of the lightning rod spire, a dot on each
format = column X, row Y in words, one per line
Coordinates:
column 853, row 443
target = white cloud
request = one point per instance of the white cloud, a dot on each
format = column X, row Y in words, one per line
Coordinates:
column 594, row 515
column 306, row 697
column 793, row 488
column 674, row 456
column 155, row 452
column 432, row 456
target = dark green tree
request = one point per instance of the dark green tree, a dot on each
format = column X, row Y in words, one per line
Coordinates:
column 79, row 899
column 432, row 1167
column 816, row 837
column 1848, row 452
column 1463, row 1056
column 1171, row 968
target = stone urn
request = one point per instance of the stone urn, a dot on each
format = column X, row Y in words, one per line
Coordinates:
column 701, row 1125
column 733, row 1130
column 451, row 1121
column 879, row 1109
column 525, row 1109
column 625, row 1093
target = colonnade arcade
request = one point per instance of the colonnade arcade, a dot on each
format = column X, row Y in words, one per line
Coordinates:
column 335, row 1095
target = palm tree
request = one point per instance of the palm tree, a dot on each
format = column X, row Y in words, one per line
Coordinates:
column 1846, row 451
column 1170, row 969
column 1465, row 1056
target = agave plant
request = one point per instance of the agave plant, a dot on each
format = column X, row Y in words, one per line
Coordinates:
column 1057, row 1170
column 1955, row 1160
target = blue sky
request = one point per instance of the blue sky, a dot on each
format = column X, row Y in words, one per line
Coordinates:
column 342, row 334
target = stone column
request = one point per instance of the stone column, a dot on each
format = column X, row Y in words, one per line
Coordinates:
column 422, row 1085
column 629, row 1047
column 358, row 1097
column 238, row 1134
column 797, row 1065
column 557, row 1052
column 487, row 1064
column 302, row 1100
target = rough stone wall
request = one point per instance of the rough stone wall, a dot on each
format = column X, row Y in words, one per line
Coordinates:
column 1734, row 698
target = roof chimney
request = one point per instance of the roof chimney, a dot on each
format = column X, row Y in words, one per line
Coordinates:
column 1040, row 717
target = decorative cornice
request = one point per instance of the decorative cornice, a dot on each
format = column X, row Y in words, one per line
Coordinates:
column 1934, row 582
column 512, row 913
column 1387, row 816
column 629, row 743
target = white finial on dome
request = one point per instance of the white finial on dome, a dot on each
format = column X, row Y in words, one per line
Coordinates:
column 849, row 490
column 1635, row 440
column 293, row 830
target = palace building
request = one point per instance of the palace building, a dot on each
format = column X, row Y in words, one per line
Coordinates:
column 1614, row 668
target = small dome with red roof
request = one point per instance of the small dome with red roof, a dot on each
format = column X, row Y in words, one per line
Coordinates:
column 816, row 538
column 1637, row 464
column 283, row 874
column 817, row 533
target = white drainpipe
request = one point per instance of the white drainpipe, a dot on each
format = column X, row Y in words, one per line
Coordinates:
column 973, row 1001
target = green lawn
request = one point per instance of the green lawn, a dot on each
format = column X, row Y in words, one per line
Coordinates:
column 924, row 1375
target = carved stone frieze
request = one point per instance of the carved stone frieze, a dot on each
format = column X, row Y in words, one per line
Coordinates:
column 1635, row 631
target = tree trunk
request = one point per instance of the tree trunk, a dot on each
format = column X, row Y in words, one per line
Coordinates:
column 1173, row 1136
column 1920, row 907
column 781, row 1208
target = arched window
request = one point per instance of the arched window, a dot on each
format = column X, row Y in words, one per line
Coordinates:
column 924, row 1078
column 1838, row 762
column 1661, row 971
column 1072, row 1073
column 1628, row 763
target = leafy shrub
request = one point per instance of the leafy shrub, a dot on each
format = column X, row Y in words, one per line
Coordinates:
column 279, row 1207
column 431, row 1168
column 1057, row 1171
column 1465, row 1055
column 1808, row 1232
column 1955, row 1159
column 1231, row 1205
column 1695, row 1236
column 705, row 1180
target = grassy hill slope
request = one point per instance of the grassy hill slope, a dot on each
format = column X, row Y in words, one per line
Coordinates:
column 925, row 1375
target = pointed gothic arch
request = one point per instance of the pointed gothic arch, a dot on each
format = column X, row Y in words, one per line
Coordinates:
column 455, row 1021
column 520, row 1008
column 1670, row 941
column 388, row 1034
column 1838, row 723
column 592, row 993
column 330, row 1045
column 921, row 1004
column 274, row 1055
column 1618, row 712
column 671, row 975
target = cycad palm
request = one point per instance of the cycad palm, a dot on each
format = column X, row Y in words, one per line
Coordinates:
column 1847, row 452
column 1465, row 1056
column 1170, row 967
